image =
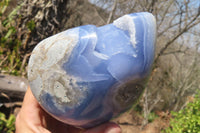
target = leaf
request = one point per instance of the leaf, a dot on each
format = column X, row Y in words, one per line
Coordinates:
column 10, row 32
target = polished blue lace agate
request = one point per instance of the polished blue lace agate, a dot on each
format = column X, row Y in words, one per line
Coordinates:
column 87, row 75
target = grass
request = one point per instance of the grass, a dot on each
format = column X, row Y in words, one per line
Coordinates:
column 7, row 125
column 11, row 54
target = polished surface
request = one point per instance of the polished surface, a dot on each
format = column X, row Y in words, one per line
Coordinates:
column 87, row 75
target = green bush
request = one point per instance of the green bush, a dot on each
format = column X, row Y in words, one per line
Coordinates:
column 7, row 125
column 186, row 120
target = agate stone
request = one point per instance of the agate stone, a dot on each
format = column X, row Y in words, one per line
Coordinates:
column 87, row 75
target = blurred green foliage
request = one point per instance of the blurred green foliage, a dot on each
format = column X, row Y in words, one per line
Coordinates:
column 31, row 25
column 152, row 116
column 7, row 125
column 10, row 43
column 186, row 120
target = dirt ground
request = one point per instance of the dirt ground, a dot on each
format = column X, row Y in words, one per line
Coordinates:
column 131, row 122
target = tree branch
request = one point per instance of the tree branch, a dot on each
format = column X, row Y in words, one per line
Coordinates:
column 186, row 28
column 112, row 11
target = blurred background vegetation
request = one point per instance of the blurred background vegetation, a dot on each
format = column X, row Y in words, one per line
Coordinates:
column 175, row 76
